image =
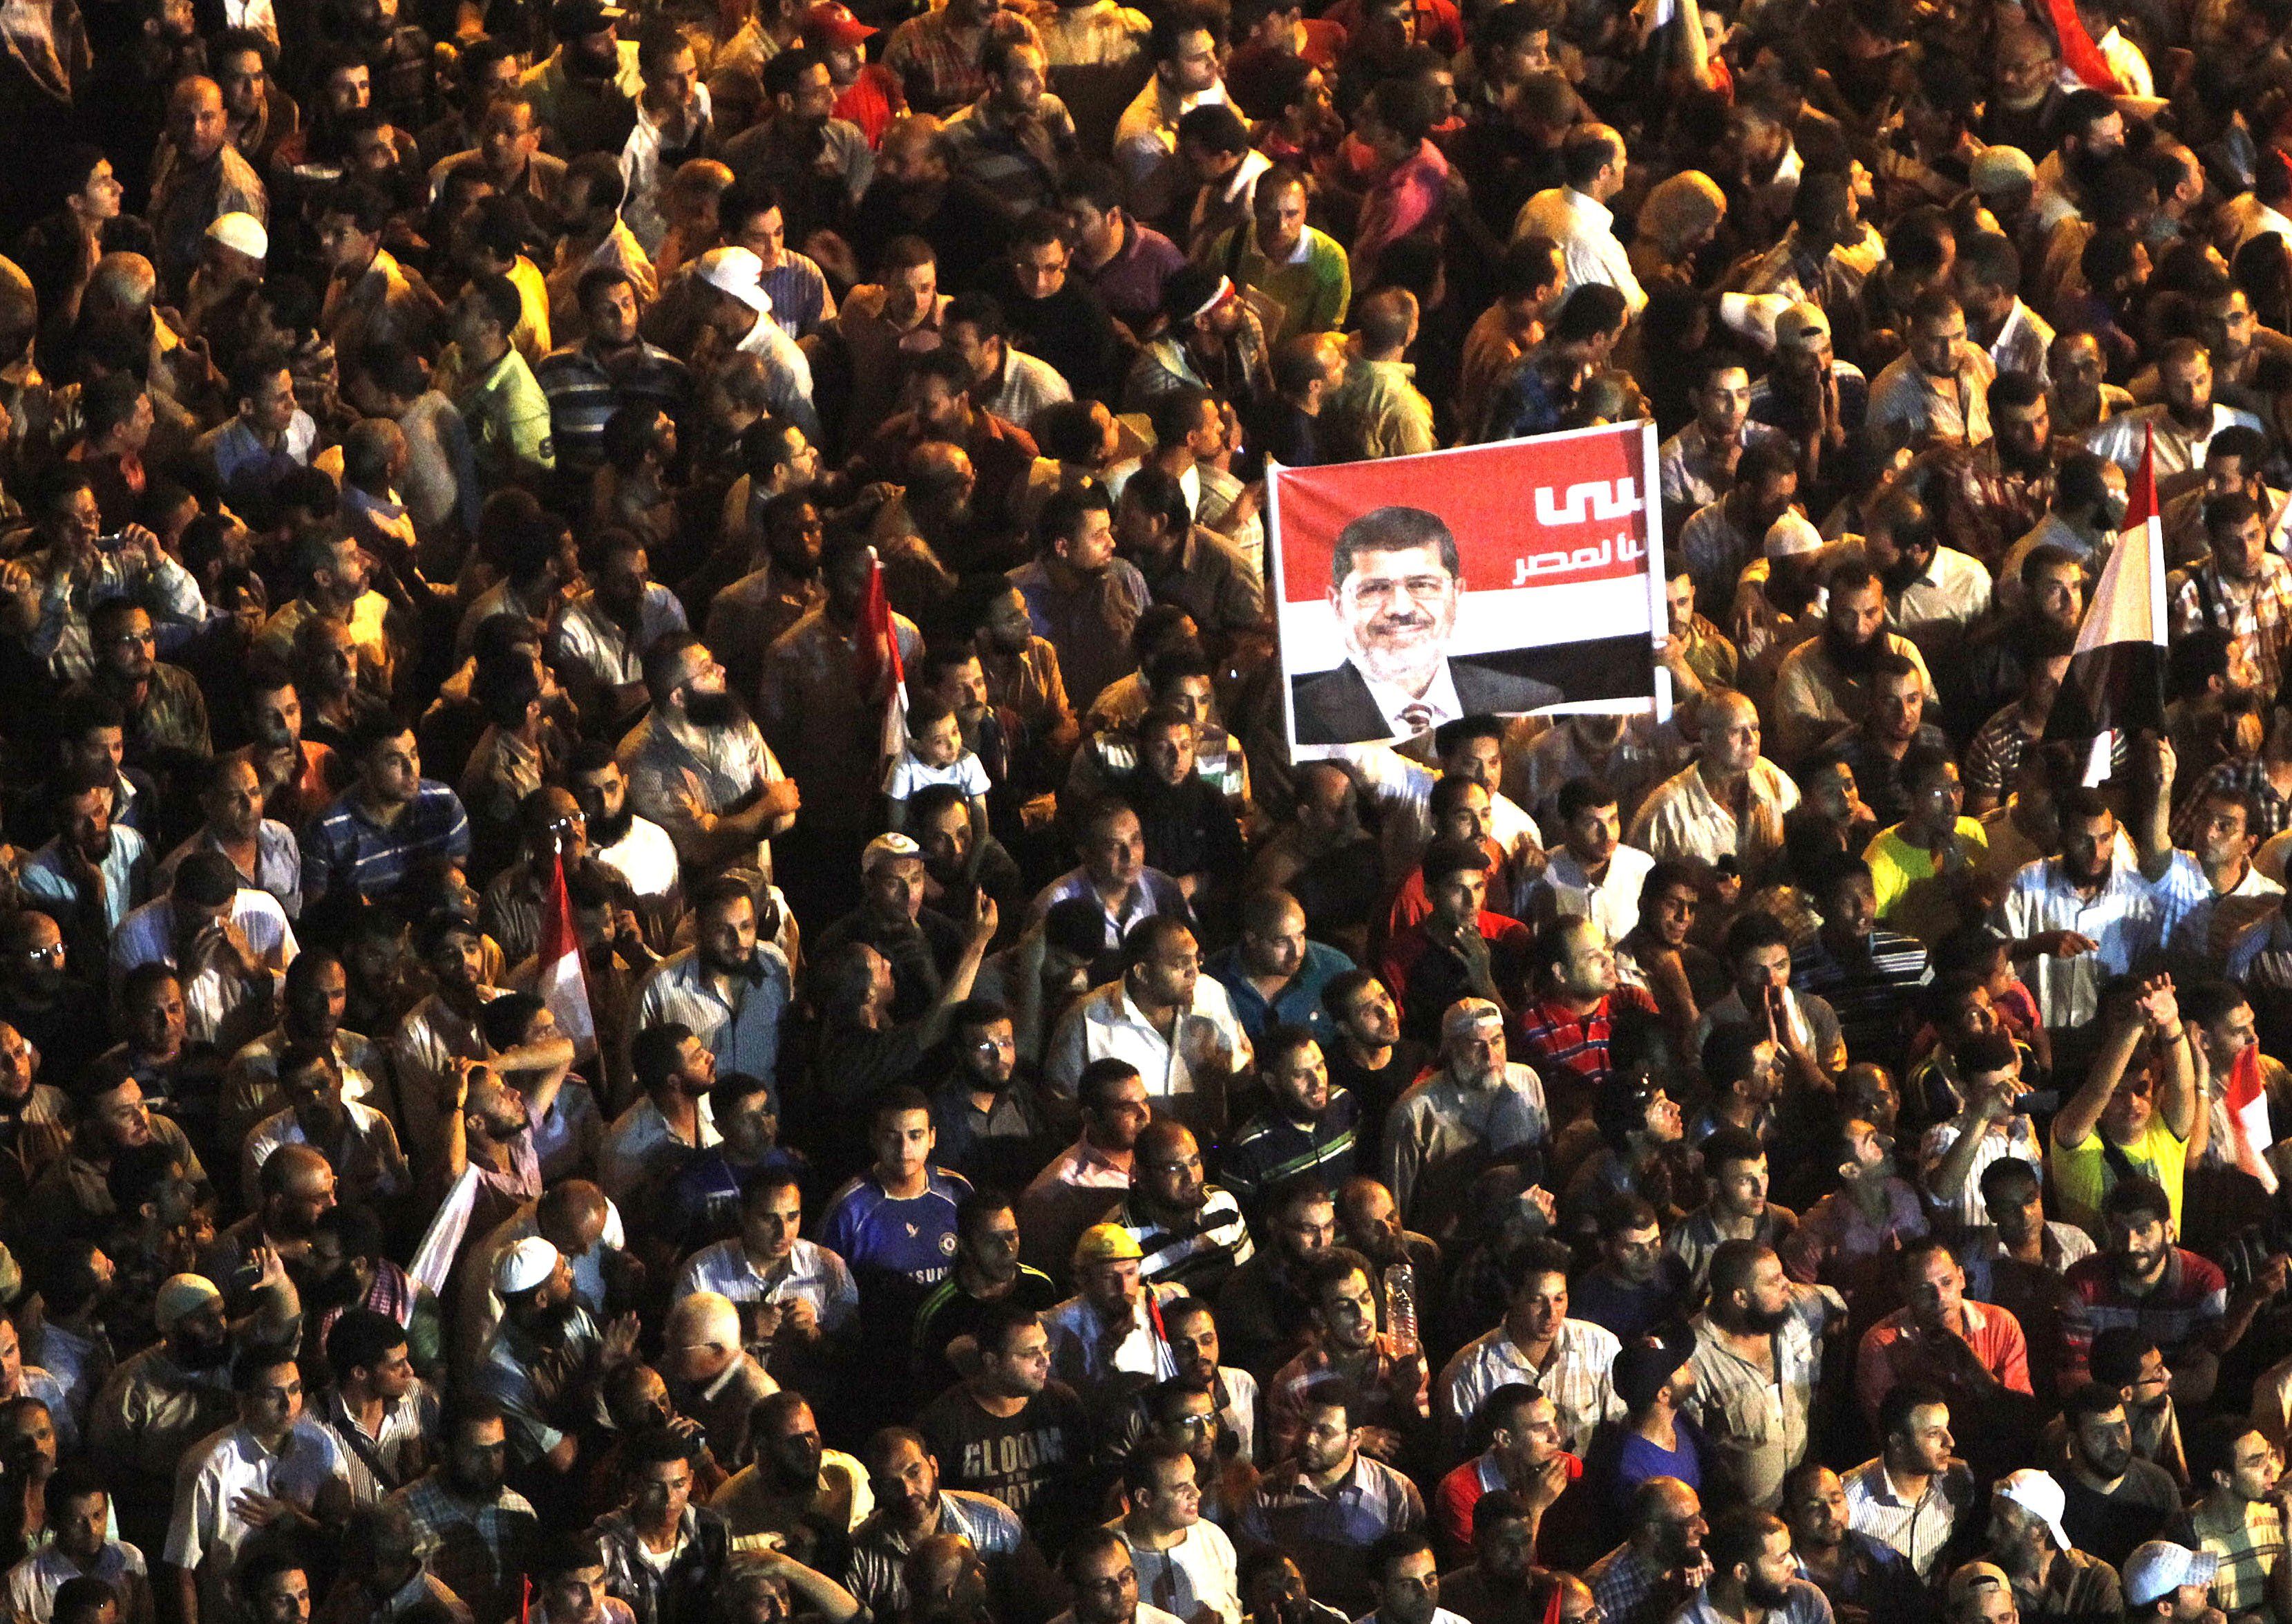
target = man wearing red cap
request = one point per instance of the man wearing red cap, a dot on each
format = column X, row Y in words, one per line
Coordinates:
column 866, row 93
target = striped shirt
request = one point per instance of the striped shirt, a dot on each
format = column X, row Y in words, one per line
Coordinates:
column 1918, row 1529
column 1628, row 1588
column 809, row 1270
column 1395, row 1393
column 2248, row 1536
column 1894, row 1350
column 990, row 151
column 2188, row 1299
column 2126, row 916
column 2256, row 614
column 1866, row 995
column 1964, row 1205
column 879, row 1549
column 801, row 301
column 1272, row 1152
column 1199, row 1255
column 1328, row 1534
column 1555, row 1039
column 345, row 849
column 584, row 390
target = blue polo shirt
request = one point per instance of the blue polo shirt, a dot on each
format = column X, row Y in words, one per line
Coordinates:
column 1299, row 1003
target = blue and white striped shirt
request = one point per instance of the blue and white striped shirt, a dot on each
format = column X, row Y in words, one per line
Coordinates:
column 343, row 847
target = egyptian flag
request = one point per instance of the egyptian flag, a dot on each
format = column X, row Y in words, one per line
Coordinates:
column 2079, row 54
column 2248, row 1132
column 876, row 654
column 2115, row 681
column 561, row 983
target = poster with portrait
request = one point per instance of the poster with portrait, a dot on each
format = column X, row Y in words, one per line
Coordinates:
column 1521, row 577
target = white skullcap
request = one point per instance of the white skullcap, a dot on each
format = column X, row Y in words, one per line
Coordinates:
column 243, row 233
column 1792, row 535
column 525, row 1265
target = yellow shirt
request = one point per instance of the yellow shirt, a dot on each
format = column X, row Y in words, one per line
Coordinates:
column 2082, row 1174
column 531, row 339
column 1912, row 897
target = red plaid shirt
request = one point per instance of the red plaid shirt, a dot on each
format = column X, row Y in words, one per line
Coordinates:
column 1571, row 1051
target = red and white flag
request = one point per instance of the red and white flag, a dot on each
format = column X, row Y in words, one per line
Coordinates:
column 562, row 983
column 2248, row 1132
column 2079, row 54
column 2115, row 681
column 880, row 671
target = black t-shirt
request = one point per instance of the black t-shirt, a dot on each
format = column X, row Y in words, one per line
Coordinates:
column 950, row 1312
column 1032, row 1461
column 1377, row 1090
column 2110, row 1526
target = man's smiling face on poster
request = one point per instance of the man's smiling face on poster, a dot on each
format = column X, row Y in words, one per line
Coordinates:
column 1395, row 590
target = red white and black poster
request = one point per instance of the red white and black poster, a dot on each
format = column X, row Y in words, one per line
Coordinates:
column 1521, row 577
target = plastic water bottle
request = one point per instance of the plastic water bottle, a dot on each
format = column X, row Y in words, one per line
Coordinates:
column 1400, row 1310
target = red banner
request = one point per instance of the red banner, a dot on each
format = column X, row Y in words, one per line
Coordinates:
column 1506, row 578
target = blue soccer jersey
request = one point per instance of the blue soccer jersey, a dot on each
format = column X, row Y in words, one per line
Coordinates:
column 895, row 1243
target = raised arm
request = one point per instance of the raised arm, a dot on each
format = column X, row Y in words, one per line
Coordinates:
column 2075, row 1122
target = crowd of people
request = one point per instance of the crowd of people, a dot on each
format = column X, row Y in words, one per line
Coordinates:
column 522, row 1097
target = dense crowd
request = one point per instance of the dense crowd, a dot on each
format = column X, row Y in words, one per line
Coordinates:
column 522, row 1097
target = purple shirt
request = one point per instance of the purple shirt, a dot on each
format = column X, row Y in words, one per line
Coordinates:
column 1130, row 284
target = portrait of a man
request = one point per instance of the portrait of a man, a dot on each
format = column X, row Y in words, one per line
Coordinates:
column 1395, row 582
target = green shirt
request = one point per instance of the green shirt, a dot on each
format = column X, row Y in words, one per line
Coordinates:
column 1314, row 288
column 1377, row 411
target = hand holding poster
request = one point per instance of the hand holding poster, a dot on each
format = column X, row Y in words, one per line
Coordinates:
column 1523, row 576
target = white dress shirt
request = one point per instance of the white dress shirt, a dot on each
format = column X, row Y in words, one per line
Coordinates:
column 1585, row 230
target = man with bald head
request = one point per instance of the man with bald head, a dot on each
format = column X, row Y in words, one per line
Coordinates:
column 573, row 1215
column 198, row 177
column 711, row 1377
column 1729, row 802
column 1661, row 1555
column 1274, row 974
column 947, row 1582
column 295, row 1185
column 920, row 192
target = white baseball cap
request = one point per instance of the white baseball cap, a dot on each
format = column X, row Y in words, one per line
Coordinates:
column 887, row 848
column 1753, row 315
column 737, row 272
column 1465, row 1015
column 2156, row 1569
column 1801, row 325
column 2037, row 1493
